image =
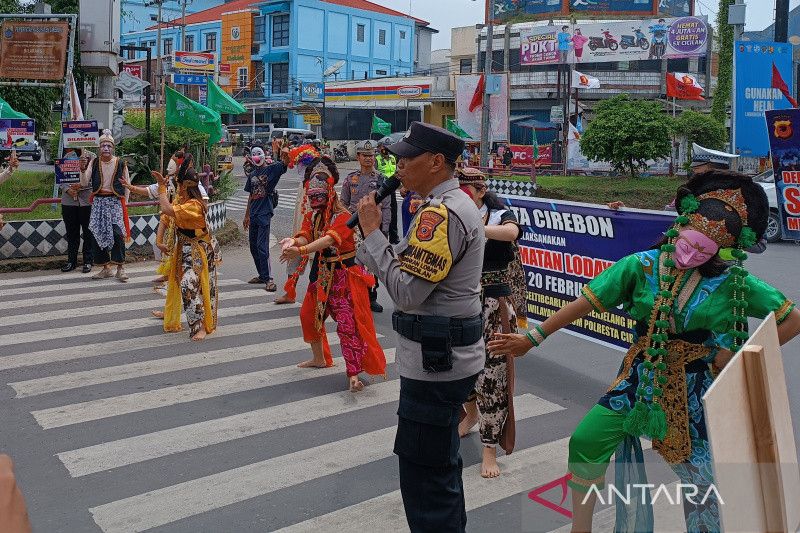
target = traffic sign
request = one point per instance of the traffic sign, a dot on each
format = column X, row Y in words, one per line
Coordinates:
column 189, row 79
column 557, row 114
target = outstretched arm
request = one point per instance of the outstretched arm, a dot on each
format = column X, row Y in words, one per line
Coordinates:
column 163, row 201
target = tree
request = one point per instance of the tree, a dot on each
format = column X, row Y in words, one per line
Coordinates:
column 627, row 133
column 702, row 129
column 722, row 95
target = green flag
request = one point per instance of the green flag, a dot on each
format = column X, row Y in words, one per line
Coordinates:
column 6, row 111
column 380, row 126
column 185, row 112
column 453, row 127
column 222, row 102
column 535, row 145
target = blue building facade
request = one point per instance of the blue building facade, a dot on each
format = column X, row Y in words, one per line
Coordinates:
column 137, row 17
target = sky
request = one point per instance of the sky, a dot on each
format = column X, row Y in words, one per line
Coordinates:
column 446, row 14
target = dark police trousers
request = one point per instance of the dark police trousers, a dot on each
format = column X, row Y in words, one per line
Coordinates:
column 76, row 218
column 427, row 444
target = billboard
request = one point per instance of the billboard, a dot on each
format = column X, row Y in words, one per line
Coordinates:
column 783, row 128
column 204, row 61
column 32, row 50
column 656, row 38
column 19, row 133
column 68, row 171
column 752, row 63
column 504, row 10
column 386, row 93
column 564, row 245
column 470, row 121
column 80, row 134
column 311, row 91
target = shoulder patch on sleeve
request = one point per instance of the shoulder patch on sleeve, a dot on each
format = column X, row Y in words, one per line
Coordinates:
column 428, row 255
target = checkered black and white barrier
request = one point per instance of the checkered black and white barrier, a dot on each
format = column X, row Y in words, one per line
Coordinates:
column 39, row 238
column 512, row 187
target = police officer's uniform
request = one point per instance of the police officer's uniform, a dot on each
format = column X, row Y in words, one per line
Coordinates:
column 433, row 276
column 359, row 185
column 387, row 165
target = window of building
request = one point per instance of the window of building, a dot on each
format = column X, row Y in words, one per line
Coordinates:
column 380, row 73
column 211, row 41
column 280, row 78
column 258, row 75
column 381, row 36
column 465, row 66
column 152, row 44
column 280, row 120
column 280, row 30
column 167, row 47
column 402, row 35
column 188, row 46
column 242, row 77
column 259, row 29
column 131, row 54
column 360, row 30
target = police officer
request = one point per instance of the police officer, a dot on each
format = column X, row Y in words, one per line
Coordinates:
column 433, row 276
column 359, row 184
column 387, row 165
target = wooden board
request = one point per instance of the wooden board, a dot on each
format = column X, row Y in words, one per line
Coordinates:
column 752, row 440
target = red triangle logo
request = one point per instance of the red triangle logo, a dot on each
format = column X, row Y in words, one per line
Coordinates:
column 561, row 482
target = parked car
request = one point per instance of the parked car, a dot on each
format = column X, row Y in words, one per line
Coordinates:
column 767, row 181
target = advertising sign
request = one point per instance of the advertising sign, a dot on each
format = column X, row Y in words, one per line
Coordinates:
column 31, row 50
column 68, row 171
column 189, row 79
column 203, row 94
column 80, row 134
column 638, row 40
column 204, row 61
column 633, row 7
column 134, row 70
column 564, row 245
column 388, row 93
column 19, row 133
column 505, row 10
column 224, row 68
column 470, row 121
column 783, row 128
column 524, row 153
column 311, row 91
column 754, row 93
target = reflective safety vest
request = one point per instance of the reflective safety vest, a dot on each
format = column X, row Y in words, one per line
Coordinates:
column 386, row 165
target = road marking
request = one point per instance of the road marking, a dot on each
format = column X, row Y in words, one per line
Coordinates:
column 131, row 450
column 157, row 302
column 98, row 328
column 88, row 286
column 142, row 343
column 110, row 374
column 190, row 498
column 74, row 275
column 78, row 413
column 522, row 471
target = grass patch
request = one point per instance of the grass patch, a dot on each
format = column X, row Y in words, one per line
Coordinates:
column 644, row 193
column 26, row 186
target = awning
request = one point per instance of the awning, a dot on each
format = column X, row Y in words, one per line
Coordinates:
column 536, row 124
column 275, row 57
column 274, row 8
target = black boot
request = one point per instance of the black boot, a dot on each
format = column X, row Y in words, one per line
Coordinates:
column 68, row 267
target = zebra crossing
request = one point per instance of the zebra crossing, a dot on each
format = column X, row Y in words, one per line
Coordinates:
column 287, row 198
column 137, row 429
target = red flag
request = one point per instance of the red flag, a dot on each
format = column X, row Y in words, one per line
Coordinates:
column 683, row 87
column 477, row 98
column 778, row 83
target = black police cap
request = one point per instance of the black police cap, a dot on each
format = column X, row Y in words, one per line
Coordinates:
column 422, row 138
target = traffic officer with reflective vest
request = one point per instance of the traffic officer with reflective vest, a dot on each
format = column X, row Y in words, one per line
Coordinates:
column 361, row 183
column 433, row 276
column 387, row 165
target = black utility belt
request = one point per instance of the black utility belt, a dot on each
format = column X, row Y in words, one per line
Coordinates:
column 438, row 335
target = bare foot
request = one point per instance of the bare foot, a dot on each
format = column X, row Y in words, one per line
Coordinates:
column 313, row 363
column 355, row 384
column 469, row 421
column 200, row 335
column 157, row 314
column 489, row 467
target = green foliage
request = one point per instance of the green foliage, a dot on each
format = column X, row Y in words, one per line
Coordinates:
column 224, row 187
column 722, row 94
column 702, row 129
column 627, row 133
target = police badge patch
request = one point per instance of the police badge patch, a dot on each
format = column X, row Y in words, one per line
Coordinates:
column 427, row 224
column 428, row 254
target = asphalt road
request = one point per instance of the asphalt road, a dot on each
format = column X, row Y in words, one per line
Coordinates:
column 116, row 426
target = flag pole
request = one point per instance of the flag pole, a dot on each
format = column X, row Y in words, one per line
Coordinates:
column 163, row 125
column 673, row 107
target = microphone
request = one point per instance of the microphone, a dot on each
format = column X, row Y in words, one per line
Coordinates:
column 389, row 186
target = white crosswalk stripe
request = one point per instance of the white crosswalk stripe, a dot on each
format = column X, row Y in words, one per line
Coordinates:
column 68, row 276
column 84, row 395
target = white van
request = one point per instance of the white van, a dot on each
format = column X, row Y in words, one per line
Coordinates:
column 288, row 132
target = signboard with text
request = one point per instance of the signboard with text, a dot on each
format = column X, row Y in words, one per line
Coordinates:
column 523, row 154
column 204, row 61
column 311, row 91
column 564, row 245
column 134, row 70
column 189, row 79
column 783, row 128
column 754, row 93
column 19, row 133
column 80, row 134
column 505, row 10
column 68, row 171
column 638, row 40
column 33, row 50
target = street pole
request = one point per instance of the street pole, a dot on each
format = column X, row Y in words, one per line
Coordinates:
column 159, row 74
column 487, row 71
column 738, row 29
column 183, row 23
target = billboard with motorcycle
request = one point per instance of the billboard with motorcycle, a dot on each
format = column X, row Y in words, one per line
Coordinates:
column 632, row 40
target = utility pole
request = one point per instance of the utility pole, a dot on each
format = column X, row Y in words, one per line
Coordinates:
column 159, row 74
column 487, row 71
column 184, row 3
column 781, row 20
column 736, row 18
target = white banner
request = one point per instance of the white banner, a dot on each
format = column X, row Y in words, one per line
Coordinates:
column 470, row 121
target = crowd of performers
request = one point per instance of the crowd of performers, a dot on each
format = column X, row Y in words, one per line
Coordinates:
column 690, row 296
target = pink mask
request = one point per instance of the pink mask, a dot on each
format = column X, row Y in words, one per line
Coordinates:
column 693, row 248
